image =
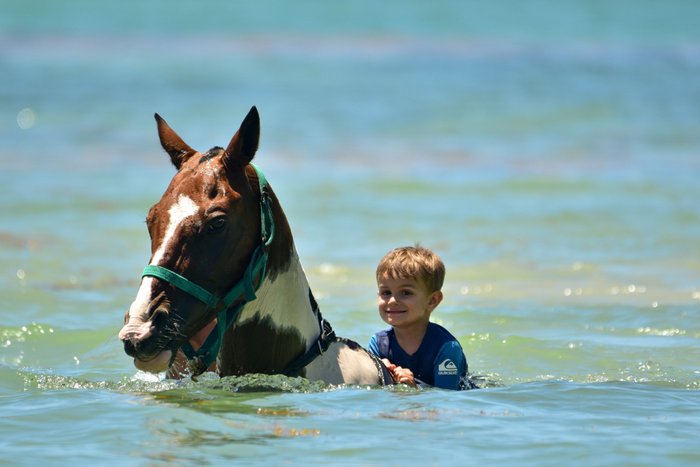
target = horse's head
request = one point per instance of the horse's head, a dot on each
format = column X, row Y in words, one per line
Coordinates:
column 205, row 228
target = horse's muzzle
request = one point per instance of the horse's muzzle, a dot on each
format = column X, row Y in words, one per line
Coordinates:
column 144, row 341
column 147, row 361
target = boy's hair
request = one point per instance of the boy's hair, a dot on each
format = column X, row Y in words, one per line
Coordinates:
column 413, row 262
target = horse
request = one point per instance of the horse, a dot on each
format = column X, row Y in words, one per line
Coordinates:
column 224, row 289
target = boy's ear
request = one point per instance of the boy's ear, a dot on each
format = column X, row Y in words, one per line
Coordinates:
column 435, row 300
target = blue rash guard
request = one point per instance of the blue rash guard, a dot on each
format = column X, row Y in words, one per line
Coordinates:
column 439, row 360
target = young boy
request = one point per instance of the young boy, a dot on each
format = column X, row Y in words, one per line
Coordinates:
column 415, row 350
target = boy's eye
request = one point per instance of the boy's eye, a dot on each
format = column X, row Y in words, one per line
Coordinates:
column 384, row 293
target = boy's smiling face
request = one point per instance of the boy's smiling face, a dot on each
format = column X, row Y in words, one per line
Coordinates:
column 405, row 302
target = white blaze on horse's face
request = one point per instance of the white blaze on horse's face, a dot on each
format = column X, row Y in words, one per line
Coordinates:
column 178, row 213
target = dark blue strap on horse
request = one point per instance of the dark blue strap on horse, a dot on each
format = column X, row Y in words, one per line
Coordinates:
column 242, row 292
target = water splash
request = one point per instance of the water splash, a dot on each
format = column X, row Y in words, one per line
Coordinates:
column 142, row 383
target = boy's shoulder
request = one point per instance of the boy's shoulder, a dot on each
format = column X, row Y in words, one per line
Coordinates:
column 379, row 342
column 383, row 334
column 385, row 331
column 437, row 332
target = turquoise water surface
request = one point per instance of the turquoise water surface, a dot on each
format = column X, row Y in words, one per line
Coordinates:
column 549, row 152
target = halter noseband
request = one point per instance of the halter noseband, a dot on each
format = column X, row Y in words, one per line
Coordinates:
column 244, row 289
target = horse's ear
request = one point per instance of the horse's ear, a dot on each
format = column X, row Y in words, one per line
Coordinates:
column 244, row 144
column 174, row 145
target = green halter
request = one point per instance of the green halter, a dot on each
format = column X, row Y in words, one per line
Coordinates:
column 244, row 289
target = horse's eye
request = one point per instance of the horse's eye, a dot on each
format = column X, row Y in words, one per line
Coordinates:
column 216, row 224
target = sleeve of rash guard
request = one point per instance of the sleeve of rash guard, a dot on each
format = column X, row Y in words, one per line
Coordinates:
column 450, row 364
column 373, row 346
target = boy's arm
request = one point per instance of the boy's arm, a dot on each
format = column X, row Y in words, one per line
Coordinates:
column 450, row 365
column 400, row 375
column 373, row 346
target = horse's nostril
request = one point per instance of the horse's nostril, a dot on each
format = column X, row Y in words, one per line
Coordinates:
column 159, row 316
column 129, row 348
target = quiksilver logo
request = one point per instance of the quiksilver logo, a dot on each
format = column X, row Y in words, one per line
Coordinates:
column 447, row 367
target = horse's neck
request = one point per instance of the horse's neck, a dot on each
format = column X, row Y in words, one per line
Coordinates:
column 275, row 328
column 286, row 301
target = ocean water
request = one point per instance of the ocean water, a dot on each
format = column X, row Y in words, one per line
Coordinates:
column 549, row 152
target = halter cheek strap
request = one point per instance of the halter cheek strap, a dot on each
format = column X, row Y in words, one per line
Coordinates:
column 242, row 292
